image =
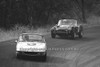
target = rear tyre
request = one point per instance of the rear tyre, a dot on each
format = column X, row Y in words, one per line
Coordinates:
column 53, row 35
column 18, row 55
column 80, row 35
column 44, row 58
column 73, row 33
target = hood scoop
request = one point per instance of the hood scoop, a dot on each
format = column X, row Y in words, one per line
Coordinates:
column 65, row 26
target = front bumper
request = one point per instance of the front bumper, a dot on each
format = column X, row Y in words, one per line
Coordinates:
column 63, row 32
column 31, row 53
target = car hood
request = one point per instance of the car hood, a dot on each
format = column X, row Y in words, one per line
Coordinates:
column 31, row 44
column 64, row 26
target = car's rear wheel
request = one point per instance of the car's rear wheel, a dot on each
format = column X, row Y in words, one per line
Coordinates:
column 80, row 35
column 44, row 57
column 53, row 35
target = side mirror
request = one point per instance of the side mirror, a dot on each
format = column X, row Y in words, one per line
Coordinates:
column 16, row 40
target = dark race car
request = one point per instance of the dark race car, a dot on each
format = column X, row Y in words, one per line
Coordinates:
column 67, row 27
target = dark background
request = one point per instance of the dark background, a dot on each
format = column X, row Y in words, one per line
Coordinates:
column 44, row 12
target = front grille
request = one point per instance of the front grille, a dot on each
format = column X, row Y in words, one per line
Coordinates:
column 61, row 31
column 31, row 53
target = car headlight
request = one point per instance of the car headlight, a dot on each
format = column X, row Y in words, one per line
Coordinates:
column 17, row 49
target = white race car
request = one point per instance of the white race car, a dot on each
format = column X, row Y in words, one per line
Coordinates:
column 31, row 45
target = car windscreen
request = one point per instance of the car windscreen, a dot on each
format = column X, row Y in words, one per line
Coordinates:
column 31, row 38
column 67, row 22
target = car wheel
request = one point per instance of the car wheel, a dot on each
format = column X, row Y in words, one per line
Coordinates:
column 73, row 35
column 18, row 56
column 80, row 35
column 44, row 57
column 53, row 35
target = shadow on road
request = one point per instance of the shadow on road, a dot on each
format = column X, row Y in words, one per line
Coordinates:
column 50, row 59
column 77, row 38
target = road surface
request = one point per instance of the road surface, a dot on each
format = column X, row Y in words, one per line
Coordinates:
column 83, row 52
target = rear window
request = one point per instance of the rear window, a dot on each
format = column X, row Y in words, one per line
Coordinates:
column 35, row 37
column 31, row 37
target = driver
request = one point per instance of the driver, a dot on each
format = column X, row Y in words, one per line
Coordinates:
column 26, row 38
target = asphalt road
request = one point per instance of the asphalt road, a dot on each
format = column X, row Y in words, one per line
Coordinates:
column 83, row 52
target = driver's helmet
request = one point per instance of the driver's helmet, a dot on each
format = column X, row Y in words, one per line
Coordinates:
column 26, row 37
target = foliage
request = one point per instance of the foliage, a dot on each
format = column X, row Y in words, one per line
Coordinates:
column 41, row 12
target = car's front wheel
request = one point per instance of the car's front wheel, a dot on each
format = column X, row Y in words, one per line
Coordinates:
column 18, row 55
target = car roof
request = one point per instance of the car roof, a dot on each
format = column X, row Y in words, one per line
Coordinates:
column 67, row 19
column 31, row 34
column 60, row 21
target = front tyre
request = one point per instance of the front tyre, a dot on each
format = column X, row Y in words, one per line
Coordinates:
column 73, row 33
column 72, row 36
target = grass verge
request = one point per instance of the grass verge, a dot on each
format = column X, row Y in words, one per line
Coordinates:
column 18, row 29
column 13, row 33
